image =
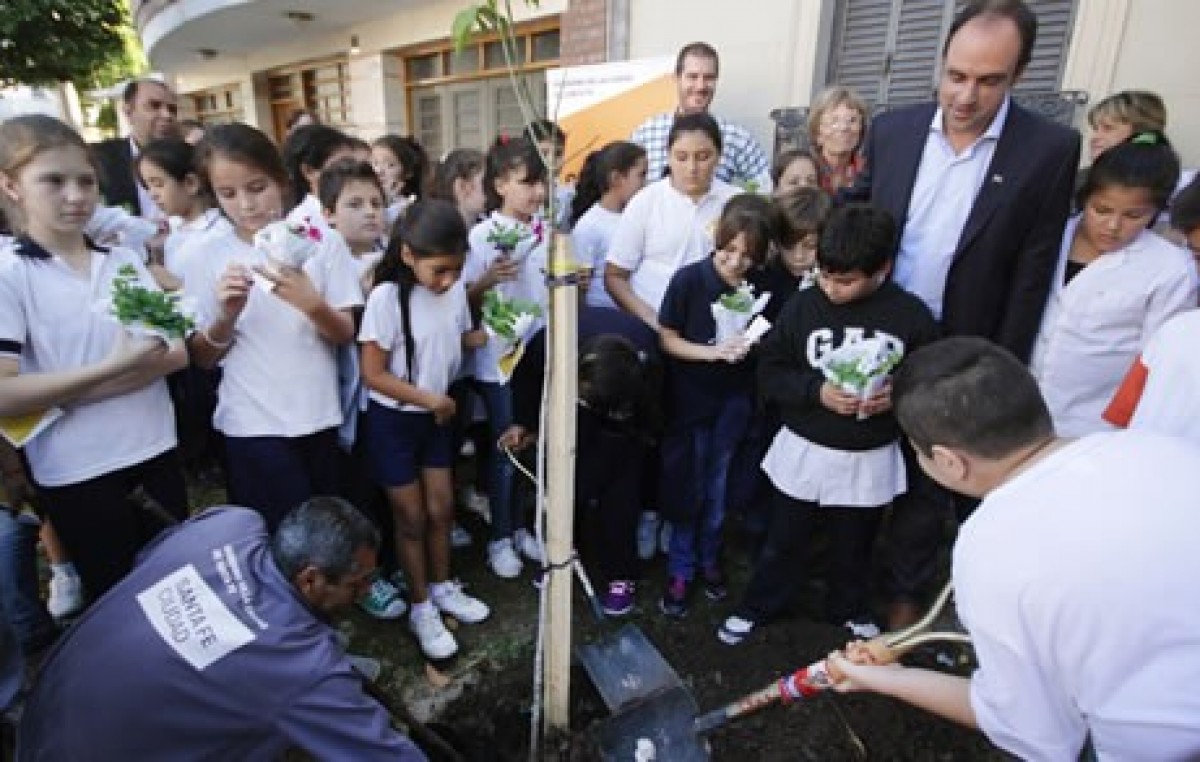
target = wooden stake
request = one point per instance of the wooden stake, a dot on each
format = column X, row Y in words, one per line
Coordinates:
column 560, row 484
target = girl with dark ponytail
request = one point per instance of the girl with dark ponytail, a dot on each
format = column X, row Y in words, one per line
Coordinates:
column 610, row 177
column 414, row 328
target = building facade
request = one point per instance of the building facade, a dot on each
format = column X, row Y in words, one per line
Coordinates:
column 376, row 66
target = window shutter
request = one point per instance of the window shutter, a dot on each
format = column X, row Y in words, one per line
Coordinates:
column 1044, row 73
column 916, row 50
column 860, row 46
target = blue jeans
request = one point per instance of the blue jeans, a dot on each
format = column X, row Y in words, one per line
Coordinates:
column 696, row 532
column 497, row 400
column 20, row 603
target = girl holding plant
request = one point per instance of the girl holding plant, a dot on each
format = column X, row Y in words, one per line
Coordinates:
column 709, row 400
column 273, row 327
column 117, row 429
column 415, row 326
column 508, row 257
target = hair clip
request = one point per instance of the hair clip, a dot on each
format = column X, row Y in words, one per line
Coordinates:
column 1145, row 139
column 503, row 138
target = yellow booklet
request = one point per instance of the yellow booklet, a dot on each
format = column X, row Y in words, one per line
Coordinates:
column 19, row 429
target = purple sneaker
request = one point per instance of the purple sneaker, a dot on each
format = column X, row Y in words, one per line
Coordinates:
column 674, row 602
column 618, row 601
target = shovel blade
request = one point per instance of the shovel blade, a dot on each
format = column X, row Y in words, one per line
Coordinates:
column 662, row 723
column 625, row 667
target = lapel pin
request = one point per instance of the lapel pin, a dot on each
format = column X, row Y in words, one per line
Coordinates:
column 997, row 178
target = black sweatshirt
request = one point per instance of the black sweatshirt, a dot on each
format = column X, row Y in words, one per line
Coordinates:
column 811, row 326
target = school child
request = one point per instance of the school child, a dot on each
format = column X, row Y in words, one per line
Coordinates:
column 837, row 457
column 306, row 153
column 403, row 167
column 610, row 177
column 274, row 331
column 514, row 184
column 798, row 217
column 117, row 429
column 415, row 326
column 794, row 169
column 551, row 143
column 1116, row 283
column 352, row 203
column 708, row 401
column 459, row 179
column 167, row 167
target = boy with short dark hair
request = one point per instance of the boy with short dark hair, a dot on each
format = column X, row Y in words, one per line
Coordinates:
column 837, row 457
column 1074, row 576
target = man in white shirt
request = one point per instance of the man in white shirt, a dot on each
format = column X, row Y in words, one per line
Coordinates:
column 742, row 158
column 1074, row 577
column 152, row 110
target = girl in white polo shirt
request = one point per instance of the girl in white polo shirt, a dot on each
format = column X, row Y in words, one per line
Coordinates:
column 275, row 333
column 415, row 326
column 57, row 350
column 1117, row 282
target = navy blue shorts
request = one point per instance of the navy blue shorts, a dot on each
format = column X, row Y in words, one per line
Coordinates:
column 399, row 443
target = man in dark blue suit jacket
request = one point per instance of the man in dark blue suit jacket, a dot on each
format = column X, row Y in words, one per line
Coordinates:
column 981, row 189
column 151, row 108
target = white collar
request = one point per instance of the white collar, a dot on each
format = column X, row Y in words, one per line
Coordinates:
column 991, row 133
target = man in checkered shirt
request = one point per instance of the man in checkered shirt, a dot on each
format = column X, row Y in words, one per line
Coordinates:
column 742, row 158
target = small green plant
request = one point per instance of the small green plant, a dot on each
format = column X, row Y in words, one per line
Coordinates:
column 507, row 238
column 740, row 300
column 501, row 315
column 134, row 304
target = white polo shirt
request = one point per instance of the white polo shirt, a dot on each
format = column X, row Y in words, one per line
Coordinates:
column 280, row 377
column 591, row 239
column 50, row 319
column 1161, row 392
column 1095, row 325
column 1077, row 582
column 942, row 197
column 438, row 323
column 529, row 285
column 662, row 230
column 176, row 254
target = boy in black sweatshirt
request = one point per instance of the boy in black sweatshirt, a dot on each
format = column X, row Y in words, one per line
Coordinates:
column 837, row 457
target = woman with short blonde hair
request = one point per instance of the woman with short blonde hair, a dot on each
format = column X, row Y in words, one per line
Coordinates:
column 837, row 122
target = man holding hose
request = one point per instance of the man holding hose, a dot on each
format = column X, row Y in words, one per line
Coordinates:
column 1075, row 577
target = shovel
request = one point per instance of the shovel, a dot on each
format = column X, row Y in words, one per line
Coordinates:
column 670, row 722
column 624, row 665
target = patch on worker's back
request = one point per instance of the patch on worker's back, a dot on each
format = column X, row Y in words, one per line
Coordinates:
column 191, row 619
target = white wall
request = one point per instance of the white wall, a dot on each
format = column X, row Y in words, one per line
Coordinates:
column 1145, row 45
column 772, row 51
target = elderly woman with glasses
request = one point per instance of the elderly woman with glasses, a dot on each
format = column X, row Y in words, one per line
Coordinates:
column 837, row 121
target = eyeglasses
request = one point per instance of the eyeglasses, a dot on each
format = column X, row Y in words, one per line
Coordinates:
column 839, row 122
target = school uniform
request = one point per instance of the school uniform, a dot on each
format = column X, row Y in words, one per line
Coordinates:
column 484, row 362
column 662, row 230
column 52, row 319
column 278, row 403
column 708, row 408
column 1096, row 324
column 403, row 438
column 591, row 239
column 825, row 466
column 1161, row 391
column 177, row 256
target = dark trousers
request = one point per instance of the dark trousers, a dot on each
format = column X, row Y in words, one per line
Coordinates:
column 918, row 531
column 273, row 475
column 102, row 529
column 782, row 566
column 360, row 489
column 608, row 499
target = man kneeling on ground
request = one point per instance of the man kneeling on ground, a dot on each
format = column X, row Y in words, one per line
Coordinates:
column 217, row 646
column 1076, row 577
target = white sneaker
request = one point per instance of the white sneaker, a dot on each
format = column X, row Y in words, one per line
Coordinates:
column 66, row 595
column 450, row 598
column 366, row 666
column 647, row 535
column 459, row 537
column 436, row 641
column 664, row 539
column 503, row 559
column 383, row 600
column 527, row 545
column 468, row 448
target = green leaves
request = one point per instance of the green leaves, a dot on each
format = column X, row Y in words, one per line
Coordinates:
column 484, row 18
column 501, row 314
column 134, row 304
column 45, row 42
column 507, row 238
column 741, row 300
